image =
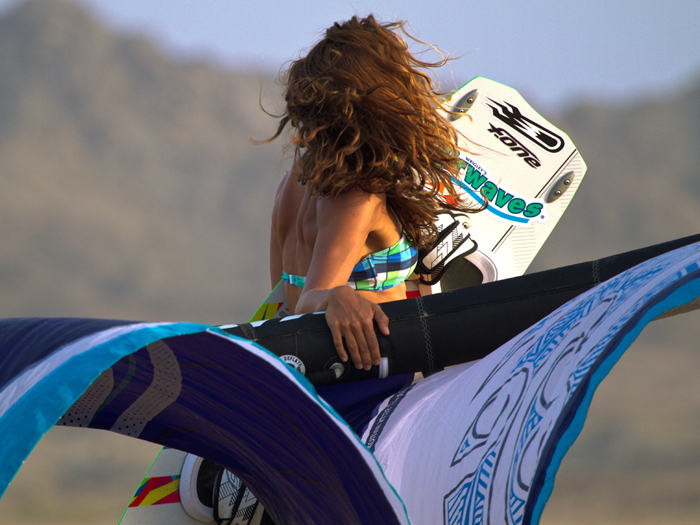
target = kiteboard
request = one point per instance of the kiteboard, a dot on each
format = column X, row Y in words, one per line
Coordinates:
column 512, row 160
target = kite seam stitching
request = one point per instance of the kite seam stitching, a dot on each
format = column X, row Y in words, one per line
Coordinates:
column 426, row 334
column 596, row 272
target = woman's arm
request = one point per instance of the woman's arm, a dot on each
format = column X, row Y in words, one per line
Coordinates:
column 344, row 224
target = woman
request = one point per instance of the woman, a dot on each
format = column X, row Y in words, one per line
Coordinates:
column 372, row 159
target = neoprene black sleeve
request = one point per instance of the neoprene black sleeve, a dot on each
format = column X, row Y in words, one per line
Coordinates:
column 436, row 331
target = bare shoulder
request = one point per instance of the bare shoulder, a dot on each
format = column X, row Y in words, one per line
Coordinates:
column 288, row 196
column 355, row 203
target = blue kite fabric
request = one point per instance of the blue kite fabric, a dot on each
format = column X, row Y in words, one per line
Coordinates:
column 196, row 389
column 477, row 443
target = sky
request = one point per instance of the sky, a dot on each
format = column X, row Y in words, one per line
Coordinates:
column 554, row 52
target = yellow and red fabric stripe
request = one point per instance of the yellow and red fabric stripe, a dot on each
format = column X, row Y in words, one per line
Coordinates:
column 157, row 491
column 266, row 311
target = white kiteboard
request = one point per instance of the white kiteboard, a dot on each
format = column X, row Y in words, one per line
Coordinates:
column 521, row 165
column 527, row 169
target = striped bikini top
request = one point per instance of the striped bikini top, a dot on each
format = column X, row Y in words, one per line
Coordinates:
column 379, row 270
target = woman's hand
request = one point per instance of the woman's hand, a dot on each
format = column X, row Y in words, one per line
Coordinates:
column 351, row 318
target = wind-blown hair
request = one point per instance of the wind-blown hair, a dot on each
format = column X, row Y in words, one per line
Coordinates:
column 363, row 115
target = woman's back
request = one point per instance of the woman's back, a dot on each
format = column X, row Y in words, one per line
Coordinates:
column 297, row 218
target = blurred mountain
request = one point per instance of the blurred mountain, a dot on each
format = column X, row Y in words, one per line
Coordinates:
column 129, row 186
column 130, row 190
column 643, row 180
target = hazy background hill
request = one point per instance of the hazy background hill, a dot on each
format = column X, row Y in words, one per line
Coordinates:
column 129, row 189
column 643, row 180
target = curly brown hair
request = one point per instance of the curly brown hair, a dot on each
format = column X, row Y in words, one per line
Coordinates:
column 364, row 115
